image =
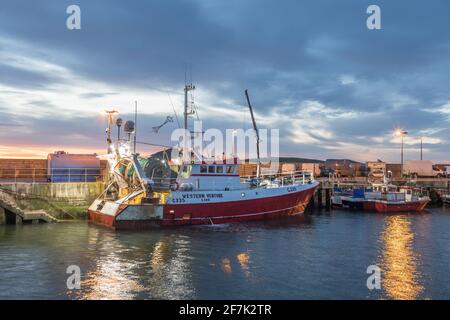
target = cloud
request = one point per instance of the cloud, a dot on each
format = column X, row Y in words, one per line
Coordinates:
column 314, row 71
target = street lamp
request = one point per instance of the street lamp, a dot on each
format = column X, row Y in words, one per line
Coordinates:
column 119, row 123
column 421, row 147
column 401, row 133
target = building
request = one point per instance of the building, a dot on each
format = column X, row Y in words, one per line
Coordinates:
column 58, row 167
column 66, row 167
column 291, row 167
column 376, row 169
column 395, row 170
column 23, row 170
column 286, row 164
column 345, row 168
column 247, row 169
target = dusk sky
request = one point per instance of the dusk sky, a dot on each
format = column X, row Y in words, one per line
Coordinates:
column 334, row 88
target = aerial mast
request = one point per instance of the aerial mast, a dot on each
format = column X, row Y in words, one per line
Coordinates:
column 187, row 112
column 258, row 165
column 135, row 126
column 187, row 88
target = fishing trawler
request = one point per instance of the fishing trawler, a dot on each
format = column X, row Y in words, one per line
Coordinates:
column 161, row 191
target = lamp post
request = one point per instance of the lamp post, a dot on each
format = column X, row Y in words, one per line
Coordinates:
column 421, row 147
column 119, row 122
column 401, row 133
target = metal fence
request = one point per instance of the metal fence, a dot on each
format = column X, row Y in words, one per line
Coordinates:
column 51, row 175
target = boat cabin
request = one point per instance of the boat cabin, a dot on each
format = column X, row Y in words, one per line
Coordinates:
column 411, row 194
column 384, row 188
column 209, row 176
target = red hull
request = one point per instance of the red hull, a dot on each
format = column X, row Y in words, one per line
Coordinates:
column 100, row 218
column 111, row 222
column 207, row 213
column 385, row 207
column 236, row 211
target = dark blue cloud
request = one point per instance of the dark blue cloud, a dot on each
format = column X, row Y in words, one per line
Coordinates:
column 285, row 52
column 15, row 77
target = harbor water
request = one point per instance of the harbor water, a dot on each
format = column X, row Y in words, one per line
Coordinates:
column 318, row 256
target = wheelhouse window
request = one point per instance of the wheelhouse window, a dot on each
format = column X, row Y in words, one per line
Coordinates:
column 212, row 169
column 203, row 169
column 186, row 171
column 219, row 169
column 230, row 169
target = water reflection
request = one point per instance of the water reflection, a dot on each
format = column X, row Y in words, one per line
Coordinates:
column 113, row 279
column 400, row 275
column 170, row 272
column 244, row 260
column 226, row 265
column 113, row 274
column 138, row 270
column 235, row 261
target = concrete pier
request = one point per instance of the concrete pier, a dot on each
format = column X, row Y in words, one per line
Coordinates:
column 2, row 216
column 321, row 198
column 31, row 202
column 85, row 192
column 328, row 199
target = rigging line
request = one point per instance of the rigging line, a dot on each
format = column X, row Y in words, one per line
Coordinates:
column 196, row 112
column 174, row 111
column 153, row 144
column 195, row 106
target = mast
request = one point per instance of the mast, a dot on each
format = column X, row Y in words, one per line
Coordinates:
column 258, row 165
column 187, row 88
column 135, row 126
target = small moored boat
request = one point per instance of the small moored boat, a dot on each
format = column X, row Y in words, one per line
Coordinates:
column 404, row 200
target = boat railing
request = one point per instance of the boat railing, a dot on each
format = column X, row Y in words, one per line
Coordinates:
column 267, row 179
column 283, row 178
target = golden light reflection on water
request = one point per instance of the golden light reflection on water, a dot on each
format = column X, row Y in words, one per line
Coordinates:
column 125, row 273
column 226, row 265
column 111, row 281
column 171, row 269
column 113, row 276
column 244, row 259
column 400, row 276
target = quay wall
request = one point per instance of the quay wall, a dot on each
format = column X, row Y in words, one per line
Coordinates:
column 82, row 193
column 10, row 164
column 2, row 216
